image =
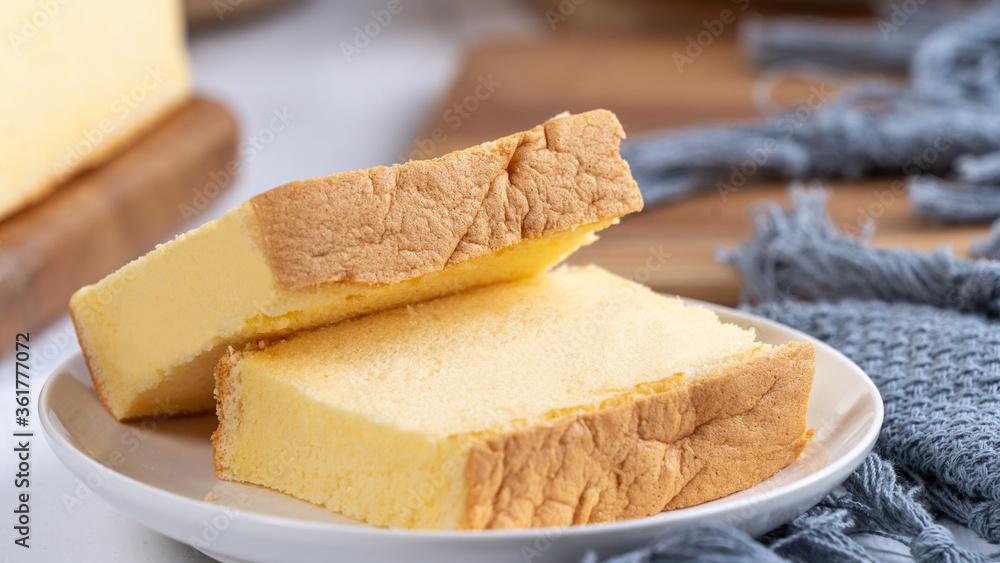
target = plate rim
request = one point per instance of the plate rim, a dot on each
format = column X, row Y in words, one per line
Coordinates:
column 838, row 469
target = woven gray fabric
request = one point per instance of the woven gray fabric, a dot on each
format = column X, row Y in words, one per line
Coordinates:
column 886, row 43
column 709, row 544
column 924, row 327
column 800, row 254
column 942, row 131
column 939, row 375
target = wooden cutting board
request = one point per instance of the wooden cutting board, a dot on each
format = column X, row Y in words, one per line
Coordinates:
column 112, row 214
column 510, row 86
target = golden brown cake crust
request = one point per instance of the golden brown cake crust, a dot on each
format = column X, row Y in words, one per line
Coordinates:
column 691, row 444
column 95, row 376
column 224, row 392
column 227, row 405
column 394, row 223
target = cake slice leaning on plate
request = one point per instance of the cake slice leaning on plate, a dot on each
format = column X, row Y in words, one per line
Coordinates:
column 318, row 251
column 571, row 397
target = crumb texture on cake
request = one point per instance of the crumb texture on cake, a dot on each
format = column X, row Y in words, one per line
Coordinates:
column 538, row 402
column 386, row 224
column 561, row 329
column 316, row 252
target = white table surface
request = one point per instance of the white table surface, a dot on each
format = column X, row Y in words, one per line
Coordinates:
column 347, row 115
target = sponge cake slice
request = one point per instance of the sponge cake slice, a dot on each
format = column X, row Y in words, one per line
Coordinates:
column 571, row 397
column 322, row 250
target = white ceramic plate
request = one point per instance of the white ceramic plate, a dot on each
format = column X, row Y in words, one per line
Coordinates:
column 160, row 473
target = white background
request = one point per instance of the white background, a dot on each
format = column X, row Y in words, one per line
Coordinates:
column 347, row 115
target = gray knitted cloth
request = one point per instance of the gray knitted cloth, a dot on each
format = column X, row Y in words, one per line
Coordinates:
column 942, row 130
column 924, row 327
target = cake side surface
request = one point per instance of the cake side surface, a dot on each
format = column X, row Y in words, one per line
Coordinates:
column 382, row 474
column 153, row 323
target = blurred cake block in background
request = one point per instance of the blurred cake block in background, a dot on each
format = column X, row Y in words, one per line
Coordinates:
column 104, row 149
column 87, row 79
